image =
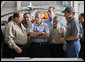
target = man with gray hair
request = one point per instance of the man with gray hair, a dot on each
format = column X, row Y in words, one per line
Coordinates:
column 56, row 32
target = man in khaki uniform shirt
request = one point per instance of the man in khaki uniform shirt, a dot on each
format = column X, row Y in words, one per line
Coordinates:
column 27, row 23
column 56, row 47
column 16, row 36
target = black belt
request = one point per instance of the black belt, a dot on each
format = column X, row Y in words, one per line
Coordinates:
column 55, row 44
column 39, row 43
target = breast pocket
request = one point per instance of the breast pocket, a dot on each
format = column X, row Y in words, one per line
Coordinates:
column 18, row 33
column 41, row 29
column 60, row 32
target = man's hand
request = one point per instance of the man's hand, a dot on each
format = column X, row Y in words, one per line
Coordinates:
column 41, row 33
column 18, row 50
column 44, row 36
column 40, row 36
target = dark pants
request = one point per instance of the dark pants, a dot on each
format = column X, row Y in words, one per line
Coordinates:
column 39, row 50
column 56, row 50
column 11, row 53
column 81, row 54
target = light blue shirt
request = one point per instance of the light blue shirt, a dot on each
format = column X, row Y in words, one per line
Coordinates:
column 43, row 27
column 49, row 22
column 62, row 24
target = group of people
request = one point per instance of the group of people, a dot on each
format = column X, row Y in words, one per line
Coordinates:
column 44, row 38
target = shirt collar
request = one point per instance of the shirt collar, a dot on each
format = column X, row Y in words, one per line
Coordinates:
column 70, row 19
column 57, row 26
column 49, row 19
column 38, row 24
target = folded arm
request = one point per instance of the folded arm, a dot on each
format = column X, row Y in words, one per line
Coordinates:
column 43, row 36
column 36, row 34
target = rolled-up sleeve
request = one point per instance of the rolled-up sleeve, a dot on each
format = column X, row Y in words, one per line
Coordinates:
column 9, row 36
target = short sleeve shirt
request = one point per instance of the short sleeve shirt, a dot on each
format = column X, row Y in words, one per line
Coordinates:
column 72, row 27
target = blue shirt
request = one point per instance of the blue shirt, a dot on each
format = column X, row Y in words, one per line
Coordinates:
column 49, row 22
column 43, row 27
column 62, row 24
